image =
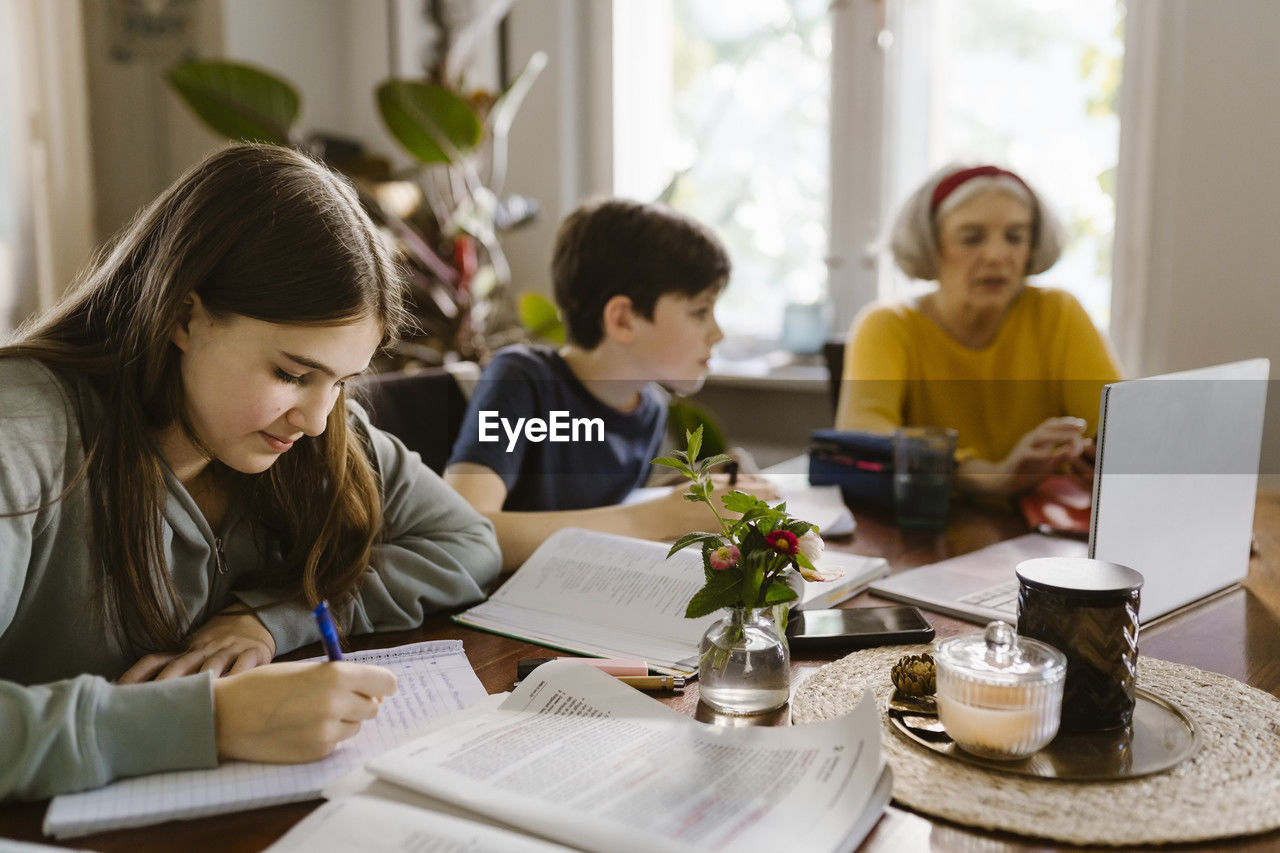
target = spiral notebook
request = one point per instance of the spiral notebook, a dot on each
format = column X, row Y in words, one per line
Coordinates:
column 433, row 679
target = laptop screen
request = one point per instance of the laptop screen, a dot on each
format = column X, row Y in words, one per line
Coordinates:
column 1176, row 479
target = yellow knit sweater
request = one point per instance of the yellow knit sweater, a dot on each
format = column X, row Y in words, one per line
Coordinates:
column 1046, row 360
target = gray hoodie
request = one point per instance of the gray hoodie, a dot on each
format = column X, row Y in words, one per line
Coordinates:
column 64, row 726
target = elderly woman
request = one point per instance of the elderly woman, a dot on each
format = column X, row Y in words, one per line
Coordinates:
column 1016, row 369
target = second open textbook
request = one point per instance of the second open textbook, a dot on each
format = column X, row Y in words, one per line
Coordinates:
column 574, row 757
column 615, row 596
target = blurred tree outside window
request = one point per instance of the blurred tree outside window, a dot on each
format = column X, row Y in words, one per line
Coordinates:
column 723, row 110
column 729, row 110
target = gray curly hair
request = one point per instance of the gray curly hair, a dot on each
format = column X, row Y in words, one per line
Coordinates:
column 914, row 238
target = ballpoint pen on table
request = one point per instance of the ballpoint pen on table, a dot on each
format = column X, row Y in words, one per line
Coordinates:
column 613, row 666
column 653, row 682
column 626, row 671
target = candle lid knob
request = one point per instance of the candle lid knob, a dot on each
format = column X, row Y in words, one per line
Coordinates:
column 1002, row 642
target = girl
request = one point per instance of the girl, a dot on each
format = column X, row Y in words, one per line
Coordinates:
column 181, row 474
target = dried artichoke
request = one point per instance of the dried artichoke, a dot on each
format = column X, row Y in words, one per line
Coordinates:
column 915, row 675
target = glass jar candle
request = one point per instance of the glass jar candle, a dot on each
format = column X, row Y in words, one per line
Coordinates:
column 999, row 695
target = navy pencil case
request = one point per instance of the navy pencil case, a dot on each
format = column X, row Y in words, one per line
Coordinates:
column 860, row 463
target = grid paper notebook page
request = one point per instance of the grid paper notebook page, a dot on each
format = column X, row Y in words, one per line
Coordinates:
column 433, row 679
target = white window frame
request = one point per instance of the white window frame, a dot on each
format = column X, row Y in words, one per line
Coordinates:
column 857, row 202
column 1143, row 249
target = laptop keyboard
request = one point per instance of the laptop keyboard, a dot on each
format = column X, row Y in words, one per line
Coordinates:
column 1002, row 597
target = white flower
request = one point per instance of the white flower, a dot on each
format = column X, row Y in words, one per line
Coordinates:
column 812, row 546
column 819, row 573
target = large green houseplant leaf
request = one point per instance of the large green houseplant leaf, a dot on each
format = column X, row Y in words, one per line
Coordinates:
column 431, row 122
column 239, row 101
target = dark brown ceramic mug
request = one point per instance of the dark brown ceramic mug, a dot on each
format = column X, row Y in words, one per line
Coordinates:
column 1088, row 610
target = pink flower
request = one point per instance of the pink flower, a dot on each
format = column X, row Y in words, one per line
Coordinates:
column 724, row 557
column 783, row 541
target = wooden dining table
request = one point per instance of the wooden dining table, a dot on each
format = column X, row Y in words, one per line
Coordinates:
column 1236, row 633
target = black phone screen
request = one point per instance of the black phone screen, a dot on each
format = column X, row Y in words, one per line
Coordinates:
column 859, row 627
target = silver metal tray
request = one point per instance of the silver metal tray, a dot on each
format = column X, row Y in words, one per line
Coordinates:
column 1161, row 736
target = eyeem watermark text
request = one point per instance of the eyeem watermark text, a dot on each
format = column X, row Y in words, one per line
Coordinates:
column 557, row 427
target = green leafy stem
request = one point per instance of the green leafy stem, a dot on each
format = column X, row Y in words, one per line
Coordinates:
column 758, row 578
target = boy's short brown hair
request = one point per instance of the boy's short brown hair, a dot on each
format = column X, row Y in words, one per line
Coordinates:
column 611, row 247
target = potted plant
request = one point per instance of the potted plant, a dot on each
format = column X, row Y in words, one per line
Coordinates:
column 749, row 563
column 445, row 214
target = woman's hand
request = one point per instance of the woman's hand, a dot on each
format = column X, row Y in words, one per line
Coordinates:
column 233, row 641
column 1056, row 444
column 295, row 712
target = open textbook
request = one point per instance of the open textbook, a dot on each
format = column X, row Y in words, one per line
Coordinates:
column 615, row 596
column 572, row 756
column 433, row 679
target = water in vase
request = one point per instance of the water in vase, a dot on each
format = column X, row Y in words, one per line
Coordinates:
column 745, row 667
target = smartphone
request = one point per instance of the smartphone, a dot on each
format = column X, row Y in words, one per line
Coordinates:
column 857, row 627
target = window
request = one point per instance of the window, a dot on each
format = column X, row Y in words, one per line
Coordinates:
column 725, row 110
column 1031, row 84
column 725, row 117
column 46, row 187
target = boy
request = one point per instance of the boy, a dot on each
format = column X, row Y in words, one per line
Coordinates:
column 557, row 439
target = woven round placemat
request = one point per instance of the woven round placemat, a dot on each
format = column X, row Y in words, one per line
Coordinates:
column 1231, row 786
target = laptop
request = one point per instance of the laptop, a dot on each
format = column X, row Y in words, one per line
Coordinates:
column 1173, row 496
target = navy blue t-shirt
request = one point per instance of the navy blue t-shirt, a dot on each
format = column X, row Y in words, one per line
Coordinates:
column 604, row 453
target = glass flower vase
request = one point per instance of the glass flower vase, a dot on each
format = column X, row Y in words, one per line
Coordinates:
column 745, row 664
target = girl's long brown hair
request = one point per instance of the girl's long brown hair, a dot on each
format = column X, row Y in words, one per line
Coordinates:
column 257, row 231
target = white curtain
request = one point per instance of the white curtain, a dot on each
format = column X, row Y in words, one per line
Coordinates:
column 46, row 186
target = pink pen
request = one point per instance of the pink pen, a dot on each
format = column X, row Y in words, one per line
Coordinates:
column 618, row 666
column 612, row 666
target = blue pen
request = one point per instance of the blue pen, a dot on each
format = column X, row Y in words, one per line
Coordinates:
column 328, row 633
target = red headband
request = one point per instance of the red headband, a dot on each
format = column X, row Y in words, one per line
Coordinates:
column 952, row 182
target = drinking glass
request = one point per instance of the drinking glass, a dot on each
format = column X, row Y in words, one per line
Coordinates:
column 923, row 459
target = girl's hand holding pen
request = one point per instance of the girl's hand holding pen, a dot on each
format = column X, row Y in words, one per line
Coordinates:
column 295, row 712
